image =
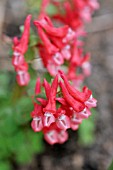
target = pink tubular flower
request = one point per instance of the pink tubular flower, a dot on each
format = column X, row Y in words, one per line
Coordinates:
column 91, row 102
column 23, row 78
column 81, row 96
column 50, row 134
column 51, row 106
column 63, row 122
column 76, row 105
column 51, row 137
column 47, row 25
column 62, row 136
column 37, row 87
column 20, row 47
column 37, row 123
column 17, row 59
column 47, row 88
column 52, row 49
column 55, row 135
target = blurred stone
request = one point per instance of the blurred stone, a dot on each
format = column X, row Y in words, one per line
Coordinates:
column 77, row 161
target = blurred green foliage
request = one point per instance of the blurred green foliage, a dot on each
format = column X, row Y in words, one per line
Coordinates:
column 18, row 143
column 34, row 6
column 86, row 130
column 111, row 166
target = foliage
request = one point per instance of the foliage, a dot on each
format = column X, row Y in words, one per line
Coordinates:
column 111, row 166
column 87, row 129
column 17, row 141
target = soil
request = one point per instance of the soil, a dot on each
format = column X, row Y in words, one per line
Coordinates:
column 71, row 155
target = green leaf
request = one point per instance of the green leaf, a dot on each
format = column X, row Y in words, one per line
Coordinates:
column 22, row 110
column 16, row 141
column 7, row 123
column 86, row 131
column 48, row 77
column 51, row 9
column 33, row 6
column 24, row 155
column 4, row 153
column 30, row 54
column 111, row 166
column 10, row 52
column 4, row 80
column 21, row 28
column 31, row 87
column 33, row 40
column 4, row 165
column 36, row 141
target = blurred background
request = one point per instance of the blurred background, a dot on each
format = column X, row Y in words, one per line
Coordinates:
column 90, row 148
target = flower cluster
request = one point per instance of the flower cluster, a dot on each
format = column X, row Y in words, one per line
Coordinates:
column 60, row 47
column 61, row 109
column 19, row 49
column 76, row 11
column 65, row 46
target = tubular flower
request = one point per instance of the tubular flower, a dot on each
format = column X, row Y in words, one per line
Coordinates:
column 72, row 107
column 58, row 40
column 19, row 49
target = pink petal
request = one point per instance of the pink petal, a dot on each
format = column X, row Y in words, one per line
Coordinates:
column 51, row 137
column 66, row 52
column 62, row 136
column 48, row 119
column 91, row 102
column 37, row 87
column 17, row 59
column 83, row 114
column 74, row 126
column 23, row 78
column 86, row 66
column 70, row 36
column 58, row 59
column 63, row 122
column 36, row 124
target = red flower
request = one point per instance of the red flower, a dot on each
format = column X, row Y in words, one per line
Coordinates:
column 22, row 44
column 23, row 78
column 37, row 87
column 80, row 96
column 20, row 47
column 37, row 114
column 51, row 106
column 76, row 105
column 47, row 25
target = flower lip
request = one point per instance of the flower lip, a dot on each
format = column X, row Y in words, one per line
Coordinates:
column 16, row 53
column 48, row 119
column 36, row 124
column 91, row 102
column 51, row 137
column 63, row 122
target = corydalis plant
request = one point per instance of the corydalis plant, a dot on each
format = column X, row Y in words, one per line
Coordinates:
column 60, row 48
column 73, row 106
